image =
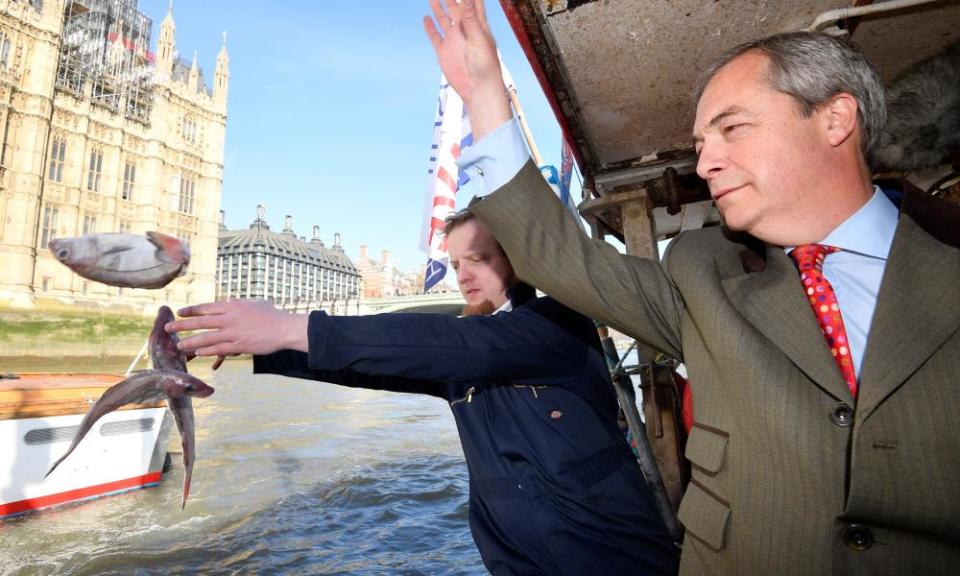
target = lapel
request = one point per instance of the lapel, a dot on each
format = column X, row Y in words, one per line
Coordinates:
column 918, row 306
column 769, row 295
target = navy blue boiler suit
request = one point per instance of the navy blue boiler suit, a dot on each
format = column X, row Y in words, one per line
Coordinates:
column 554, row 488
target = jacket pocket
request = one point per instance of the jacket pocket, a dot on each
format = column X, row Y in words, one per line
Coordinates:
column 704, row 515
column 706, row 448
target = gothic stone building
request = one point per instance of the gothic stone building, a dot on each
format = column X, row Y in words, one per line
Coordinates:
column 99, row 134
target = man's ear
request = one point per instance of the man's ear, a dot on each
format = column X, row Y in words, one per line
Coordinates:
column 841, row 118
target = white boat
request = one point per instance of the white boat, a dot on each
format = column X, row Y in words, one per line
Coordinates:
column 39, row 415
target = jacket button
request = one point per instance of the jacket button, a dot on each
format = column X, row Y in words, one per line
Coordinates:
column 857, row 537
column 842, row 415
column 556, row 415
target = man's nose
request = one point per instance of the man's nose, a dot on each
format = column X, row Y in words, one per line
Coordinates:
column 711, row 161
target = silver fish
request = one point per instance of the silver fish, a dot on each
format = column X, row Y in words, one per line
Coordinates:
column 125, row 260
column 140, row 388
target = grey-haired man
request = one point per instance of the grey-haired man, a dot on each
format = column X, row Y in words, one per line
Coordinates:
column 825, row 398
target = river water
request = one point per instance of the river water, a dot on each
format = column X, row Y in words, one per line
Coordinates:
column 291, row 477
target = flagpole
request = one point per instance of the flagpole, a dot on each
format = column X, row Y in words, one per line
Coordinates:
column 515, row 100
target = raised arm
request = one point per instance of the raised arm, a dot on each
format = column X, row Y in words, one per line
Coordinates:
column 467, row 54
column 548, row 250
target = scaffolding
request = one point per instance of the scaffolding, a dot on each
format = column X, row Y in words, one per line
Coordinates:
column 105, row 48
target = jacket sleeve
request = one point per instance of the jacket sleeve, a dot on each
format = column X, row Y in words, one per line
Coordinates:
column 549, row 251
column 293, row 363
column 521, row 347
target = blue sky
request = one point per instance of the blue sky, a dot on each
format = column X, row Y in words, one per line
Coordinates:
column 330, row 112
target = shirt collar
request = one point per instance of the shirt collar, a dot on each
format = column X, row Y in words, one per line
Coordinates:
column 507, row 307
column 869, row 230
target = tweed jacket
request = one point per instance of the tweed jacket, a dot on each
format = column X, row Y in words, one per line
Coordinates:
column 791, row 475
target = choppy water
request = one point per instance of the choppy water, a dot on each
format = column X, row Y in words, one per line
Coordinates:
column 291, row 477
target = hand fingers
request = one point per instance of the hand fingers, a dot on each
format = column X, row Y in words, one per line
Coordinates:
column 432, row 33
column 442, row 19
column 204, row 309
column 471, row 18
column 480, row 8
column 195, row 323
column 452, row 8
column 220, row 350
column 200, row 341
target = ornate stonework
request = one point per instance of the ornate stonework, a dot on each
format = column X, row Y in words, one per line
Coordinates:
column 103, row 137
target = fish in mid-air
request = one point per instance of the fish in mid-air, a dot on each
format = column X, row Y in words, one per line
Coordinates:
column 124, row 260
column 168, row 380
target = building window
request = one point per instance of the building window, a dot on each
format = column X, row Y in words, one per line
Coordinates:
column 50, row 215
column 188, row 129
column 129, row 177
column 4, row 50
column 123, row 227
column 57, row 156
column 94, row 171
column 89, row 223
column 187, row 186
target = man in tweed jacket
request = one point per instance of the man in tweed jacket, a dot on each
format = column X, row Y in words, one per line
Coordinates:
column 792, row 473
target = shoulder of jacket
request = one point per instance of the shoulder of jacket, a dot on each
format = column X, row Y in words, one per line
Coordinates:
column 694, row 243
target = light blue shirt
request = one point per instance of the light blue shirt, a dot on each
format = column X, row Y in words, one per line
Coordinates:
column 855, row 272
column 495, row 159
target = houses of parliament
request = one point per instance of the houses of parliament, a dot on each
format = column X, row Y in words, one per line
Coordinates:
column 99, row 134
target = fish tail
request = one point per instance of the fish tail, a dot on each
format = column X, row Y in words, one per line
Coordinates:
column 169, row 249
column 76, row 440
column 187, row 473
column 57, row 463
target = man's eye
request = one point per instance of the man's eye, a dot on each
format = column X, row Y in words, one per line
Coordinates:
column 732, row 128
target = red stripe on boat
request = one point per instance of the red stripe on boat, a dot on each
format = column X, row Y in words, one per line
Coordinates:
column 78, row 494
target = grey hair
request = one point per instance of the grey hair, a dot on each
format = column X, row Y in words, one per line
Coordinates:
column 812, row 67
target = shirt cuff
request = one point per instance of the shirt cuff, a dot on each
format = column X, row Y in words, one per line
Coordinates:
column 495, row 159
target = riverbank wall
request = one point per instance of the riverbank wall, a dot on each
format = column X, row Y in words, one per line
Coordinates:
column 53, row 334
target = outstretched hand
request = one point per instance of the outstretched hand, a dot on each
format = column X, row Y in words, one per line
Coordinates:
column 467, row 54
column 240, row 327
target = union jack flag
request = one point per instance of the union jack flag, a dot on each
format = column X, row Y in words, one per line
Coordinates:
column 451, row 134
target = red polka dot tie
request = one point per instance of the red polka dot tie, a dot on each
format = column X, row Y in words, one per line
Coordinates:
column 823, row 301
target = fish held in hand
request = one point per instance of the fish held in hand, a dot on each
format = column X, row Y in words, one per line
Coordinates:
column 140, row 388
column 162, row 346
column 164, row 355
column 124, row 260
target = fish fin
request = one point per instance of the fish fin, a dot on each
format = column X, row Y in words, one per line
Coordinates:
column 169, row 249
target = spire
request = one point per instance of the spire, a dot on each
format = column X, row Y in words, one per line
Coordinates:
column 194, row 83
column 166, row 45
column 221, row 76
